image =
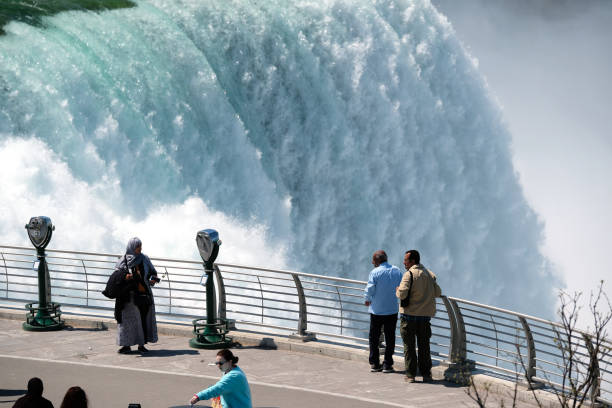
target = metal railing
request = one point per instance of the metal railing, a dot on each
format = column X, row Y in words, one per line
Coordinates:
column 309, row 306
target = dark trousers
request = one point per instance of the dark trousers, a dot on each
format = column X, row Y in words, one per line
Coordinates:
column 419, row 327
column 389, row 323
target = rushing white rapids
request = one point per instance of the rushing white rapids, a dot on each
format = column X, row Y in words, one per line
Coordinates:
column 309, row 133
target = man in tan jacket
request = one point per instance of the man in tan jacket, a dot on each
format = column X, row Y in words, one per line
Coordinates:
column 417, row 293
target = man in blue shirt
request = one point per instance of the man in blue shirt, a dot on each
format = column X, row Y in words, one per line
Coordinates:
column 382, row 305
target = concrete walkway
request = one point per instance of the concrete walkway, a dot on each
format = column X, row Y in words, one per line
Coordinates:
column 170, row 374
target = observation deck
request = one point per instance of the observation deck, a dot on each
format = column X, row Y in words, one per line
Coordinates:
column 303, row 340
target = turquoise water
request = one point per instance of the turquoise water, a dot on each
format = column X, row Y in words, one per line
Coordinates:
column 32, row 12
column 308, row 133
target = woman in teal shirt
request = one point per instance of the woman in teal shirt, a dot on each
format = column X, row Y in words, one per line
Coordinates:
column 233, row 387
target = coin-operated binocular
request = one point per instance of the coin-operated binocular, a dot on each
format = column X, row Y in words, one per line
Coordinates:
column 209, row 333
column 45, row 316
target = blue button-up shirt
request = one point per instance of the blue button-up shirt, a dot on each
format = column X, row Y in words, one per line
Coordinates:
column 380, row 291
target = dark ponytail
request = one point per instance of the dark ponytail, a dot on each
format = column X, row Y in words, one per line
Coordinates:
column 228, row 356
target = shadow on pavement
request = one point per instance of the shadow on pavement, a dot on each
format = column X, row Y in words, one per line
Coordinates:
column 168, row 353
column 11, row 393
column 86, row 329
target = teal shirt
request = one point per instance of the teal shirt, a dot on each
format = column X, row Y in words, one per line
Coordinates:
column 233, row 388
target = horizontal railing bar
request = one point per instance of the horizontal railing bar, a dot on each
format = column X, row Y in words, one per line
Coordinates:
column 516, row 355
column 516, row 327
column 266, row 316
column 282, row 279
column 480, row 312
column 258, row 299
column 334, row 286
column 492, row 338
column 301, row 274
column 472, row 342
column 330, row 292
column 496, row 368
column 560, row 375
column 267, row 291
column 559, row 353
column 491, row 329
column 336, row 317
column 496, row 358
column 548, row 362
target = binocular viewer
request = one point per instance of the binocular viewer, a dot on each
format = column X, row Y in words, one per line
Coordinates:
column 40, row 230
column 208, row 245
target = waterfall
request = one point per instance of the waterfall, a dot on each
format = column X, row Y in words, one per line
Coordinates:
column 308, row 133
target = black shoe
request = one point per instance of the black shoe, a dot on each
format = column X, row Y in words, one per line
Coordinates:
column 375, row 368
column 124, row 350
column 143, row 349
column 387, row 369
column 427, row 379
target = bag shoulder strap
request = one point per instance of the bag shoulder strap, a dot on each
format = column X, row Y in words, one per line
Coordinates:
column 406, row 301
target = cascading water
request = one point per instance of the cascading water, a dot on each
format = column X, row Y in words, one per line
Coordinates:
column 308, row 133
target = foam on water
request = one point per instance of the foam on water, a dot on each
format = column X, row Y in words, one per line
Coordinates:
column 309, row 133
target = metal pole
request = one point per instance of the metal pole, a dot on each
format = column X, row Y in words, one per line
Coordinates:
column 42, row 279
column 211, row 310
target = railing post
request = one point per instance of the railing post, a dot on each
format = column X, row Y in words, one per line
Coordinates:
column 341, row 311
column 593, row 370
column 530, row 368
column 460, row 368
column 222, row 308
column 167, row 274
column 86, row 283
column 6, row 274
column 301, row 334
column 460, row 339
column 453, row 348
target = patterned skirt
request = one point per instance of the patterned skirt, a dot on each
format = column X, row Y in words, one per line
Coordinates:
column 130, row 331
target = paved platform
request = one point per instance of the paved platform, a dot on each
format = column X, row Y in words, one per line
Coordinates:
column 86, row 355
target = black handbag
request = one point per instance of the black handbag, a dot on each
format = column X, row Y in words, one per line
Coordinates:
column 406, row 301
column 142, row 299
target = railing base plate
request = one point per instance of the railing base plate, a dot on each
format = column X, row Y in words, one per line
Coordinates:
column 460, row 373
column 307, row 336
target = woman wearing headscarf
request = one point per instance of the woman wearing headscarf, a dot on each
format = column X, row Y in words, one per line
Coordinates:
column 130, row 285
column 232, row 390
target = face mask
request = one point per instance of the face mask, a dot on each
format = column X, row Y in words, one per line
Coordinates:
column 226, row 365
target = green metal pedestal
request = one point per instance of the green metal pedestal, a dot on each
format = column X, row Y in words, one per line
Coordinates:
column 210, row 335
column 46, row 318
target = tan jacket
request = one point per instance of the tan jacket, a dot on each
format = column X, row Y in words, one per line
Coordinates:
column 423, row 293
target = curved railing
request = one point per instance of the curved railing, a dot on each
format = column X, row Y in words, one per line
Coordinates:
column 308, row 306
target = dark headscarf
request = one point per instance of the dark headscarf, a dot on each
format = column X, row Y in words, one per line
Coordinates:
column 131, row 257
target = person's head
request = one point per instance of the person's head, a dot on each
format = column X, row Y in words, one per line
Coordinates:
column 35, row 387
column 226, row 360
column 134, row 246
column 411, row 258
column 379, row 257
column 75, row 398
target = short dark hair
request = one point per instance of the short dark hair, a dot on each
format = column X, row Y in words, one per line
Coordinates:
column 228, row 356
column 380, row 256
column 35, row 386
column 414, row 256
